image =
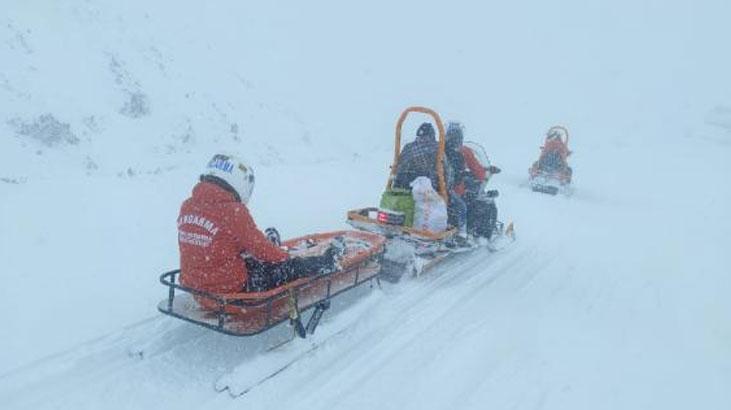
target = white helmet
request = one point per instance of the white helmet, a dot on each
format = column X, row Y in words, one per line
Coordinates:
column 234, row 172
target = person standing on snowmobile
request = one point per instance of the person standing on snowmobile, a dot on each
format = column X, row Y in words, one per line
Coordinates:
column 418, row 159
column 215, row 229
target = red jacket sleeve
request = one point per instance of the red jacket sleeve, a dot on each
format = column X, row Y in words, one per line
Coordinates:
column 252, row 240
column 473, row 164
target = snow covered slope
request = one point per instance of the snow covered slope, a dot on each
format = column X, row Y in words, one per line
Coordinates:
column 614, row 298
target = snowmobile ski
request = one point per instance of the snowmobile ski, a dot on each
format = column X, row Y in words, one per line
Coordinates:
column 237, row 386
column 253, row 373
column 545, row 189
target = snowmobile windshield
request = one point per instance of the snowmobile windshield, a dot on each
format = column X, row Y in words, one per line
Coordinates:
column 480, row 153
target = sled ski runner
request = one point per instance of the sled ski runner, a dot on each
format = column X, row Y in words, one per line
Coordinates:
column 257, row 371
column 253, row 374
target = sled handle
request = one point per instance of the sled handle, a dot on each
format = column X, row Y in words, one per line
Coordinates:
column 562, row 129
column 440, row 152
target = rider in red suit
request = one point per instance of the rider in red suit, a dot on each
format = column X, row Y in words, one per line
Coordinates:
column 216, row 231
column 554, row 158
column 473, row 165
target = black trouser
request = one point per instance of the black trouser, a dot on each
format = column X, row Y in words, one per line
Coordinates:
column 481, row 218
column 267, row 275
column 551, row 162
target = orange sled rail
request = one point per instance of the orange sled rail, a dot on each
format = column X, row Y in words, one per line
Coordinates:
column 250, row 313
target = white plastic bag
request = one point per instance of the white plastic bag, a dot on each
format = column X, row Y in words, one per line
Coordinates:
column 430, row 210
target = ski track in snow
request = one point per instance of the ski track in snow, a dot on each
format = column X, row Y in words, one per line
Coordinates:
column 180, row 362
column 408, row 312
column 447, row 338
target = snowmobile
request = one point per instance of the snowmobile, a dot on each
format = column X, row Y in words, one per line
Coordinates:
column 409, row 249
column 251, row 313
column 551, row 174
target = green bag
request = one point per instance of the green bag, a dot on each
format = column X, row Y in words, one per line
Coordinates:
column 399, row 200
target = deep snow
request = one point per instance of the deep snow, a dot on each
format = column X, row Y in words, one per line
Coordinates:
column 614, row 298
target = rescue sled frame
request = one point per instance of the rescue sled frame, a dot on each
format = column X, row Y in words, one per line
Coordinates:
column 238, row 314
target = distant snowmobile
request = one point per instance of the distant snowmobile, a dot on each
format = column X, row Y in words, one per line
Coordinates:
column 410, row 247
column 552, row 174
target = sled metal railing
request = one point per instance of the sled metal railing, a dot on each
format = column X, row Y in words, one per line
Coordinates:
column 360, row 216
column 265, row 299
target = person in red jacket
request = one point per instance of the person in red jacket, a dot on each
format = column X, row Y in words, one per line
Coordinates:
column 554, row 156
column 216, row 231
column 472, row 172
column 471, row 175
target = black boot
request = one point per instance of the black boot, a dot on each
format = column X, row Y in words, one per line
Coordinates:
column 273, row 236
column 330, row 259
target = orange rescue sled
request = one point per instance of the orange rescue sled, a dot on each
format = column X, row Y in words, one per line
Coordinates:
column 250, row 313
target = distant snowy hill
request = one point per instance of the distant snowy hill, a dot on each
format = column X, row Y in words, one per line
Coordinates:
column 101, row 88
column 108, row 88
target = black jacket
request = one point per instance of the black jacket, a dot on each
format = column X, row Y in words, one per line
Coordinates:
column 417, row 159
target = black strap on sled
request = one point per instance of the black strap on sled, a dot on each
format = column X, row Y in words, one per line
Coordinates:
column 320, row 308
column 295, row 319
column 294, row 315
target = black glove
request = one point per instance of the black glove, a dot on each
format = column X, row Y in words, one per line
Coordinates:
column 493, row 169
column 472, row 187
column 273, row 236
column 297, row 267
column 493, row 193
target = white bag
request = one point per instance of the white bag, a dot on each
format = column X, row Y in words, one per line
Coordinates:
column 430, row 210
